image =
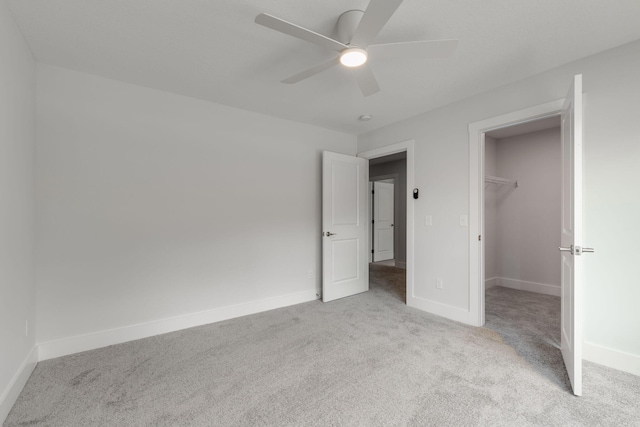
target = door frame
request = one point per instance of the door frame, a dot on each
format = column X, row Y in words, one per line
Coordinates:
column 477, row 132
column 409, row 147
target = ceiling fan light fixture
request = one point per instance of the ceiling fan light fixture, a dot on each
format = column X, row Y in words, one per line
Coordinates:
column 353, row 57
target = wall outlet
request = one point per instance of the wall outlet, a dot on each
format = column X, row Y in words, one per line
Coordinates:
column 26, row 328
column 438, row 282
column 310, row 274
column 428, row 220
column 464, row 220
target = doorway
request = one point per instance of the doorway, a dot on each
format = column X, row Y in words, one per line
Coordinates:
column 522, row 206
column 387, row 224
column 522, row 219
column 403, row 188
column 571, row 115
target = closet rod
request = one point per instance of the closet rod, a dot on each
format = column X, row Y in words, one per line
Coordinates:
column 500, row 181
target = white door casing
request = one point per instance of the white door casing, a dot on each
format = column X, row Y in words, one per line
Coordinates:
column 477, row 130
column 571, row 235
column 345, row 264
column 408, row 147
column 383, row 221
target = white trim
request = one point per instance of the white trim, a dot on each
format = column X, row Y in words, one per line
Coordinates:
column 612, row 358
column 65, row 346
column 439, row 309
column 15, row 386
column 476, row 195
column 409, row 147
column 523, row 285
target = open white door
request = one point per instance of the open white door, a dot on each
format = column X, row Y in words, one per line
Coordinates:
column 571, row 240
column 345, row 267
column 383, row 221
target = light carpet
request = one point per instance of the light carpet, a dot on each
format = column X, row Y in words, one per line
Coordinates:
column 366, row 360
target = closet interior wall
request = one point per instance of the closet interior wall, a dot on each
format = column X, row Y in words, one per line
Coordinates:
column 522, row 224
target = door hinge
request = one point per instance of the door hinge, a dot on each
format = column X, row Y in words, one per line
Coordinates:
column 372, row 251
column 373, row 221
column 479, row 238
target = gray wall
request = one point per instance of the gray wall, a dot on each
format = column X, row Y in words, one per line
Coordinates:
column 154, row 205
column 490, row 235
column 400, row 196
column 528, row 229
column 17, row 142
column 611, row 204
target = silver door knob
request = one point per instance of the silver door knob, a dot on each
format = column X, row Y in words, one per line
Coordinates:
column 569, row 249
column 578, row 250
column 329, row 234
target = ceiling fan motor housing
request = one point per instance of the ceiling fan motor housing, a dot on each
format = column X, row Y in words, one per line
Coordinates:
column 347, row 24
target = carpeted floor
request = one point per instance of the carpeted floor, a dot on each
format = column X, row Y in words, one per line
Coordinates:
column 366, row 360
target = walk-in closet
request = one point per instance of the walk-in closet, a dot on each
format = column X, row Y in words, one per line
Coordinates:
column 522, row 193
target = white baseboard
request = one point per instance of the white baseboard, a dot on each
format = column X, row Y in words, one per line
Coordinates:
column 76, row 344
column 612, row 358
column 523, row 285
column 490, row 283
column 11, row 393
column 401, row 264
column 450, row 312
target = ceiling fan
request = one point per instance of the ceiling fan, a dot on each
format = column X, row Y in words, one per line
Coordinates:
column 355, row 31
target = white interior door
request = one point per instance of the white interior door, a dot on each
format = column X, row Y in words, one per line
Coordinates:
column 345, row 267
column 571, row 240
column 383, row 204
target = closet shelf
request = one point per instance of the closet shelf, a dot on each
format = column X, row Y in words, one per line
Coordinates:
column 500, row 181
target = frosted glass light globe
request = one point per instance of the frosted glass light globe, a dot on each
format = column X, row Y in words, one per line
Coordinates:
column 353, row 57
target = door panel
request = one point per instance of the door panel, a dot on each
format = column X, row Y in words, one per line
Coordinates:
column 345, row 269
column 571, row 235
column 383, row 217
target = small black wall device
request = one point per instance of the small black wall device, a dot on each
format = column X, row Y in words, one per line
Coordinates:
column 415, row 193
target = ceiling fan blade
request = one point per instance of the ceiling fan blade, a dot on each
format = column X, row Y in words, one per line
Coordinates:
column 299, row 32
column 366, row 80
column 418, row 49
column 311, row 71
column 377, row 14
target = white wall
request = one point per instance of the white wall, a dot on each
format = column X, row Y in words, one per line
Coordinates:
column 490, row 235
column 612, row 207
column 153, row 205
column 528, row 217
column 17, row 140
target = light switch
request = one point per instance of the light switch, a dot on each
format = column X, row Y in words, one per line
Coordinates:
column 464, row 221
column 427, row 220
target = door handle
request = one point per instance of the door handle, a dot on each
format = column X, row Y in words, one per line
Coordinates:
column 569, row 249
column 329, row 234
column 578, row 250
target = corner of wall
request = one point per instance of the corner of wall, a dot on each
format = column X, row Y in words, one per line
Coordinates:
column 13, row 389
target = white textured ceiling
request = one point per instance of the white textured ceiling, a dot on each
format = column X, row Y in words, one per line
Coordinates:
column 213, row 50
